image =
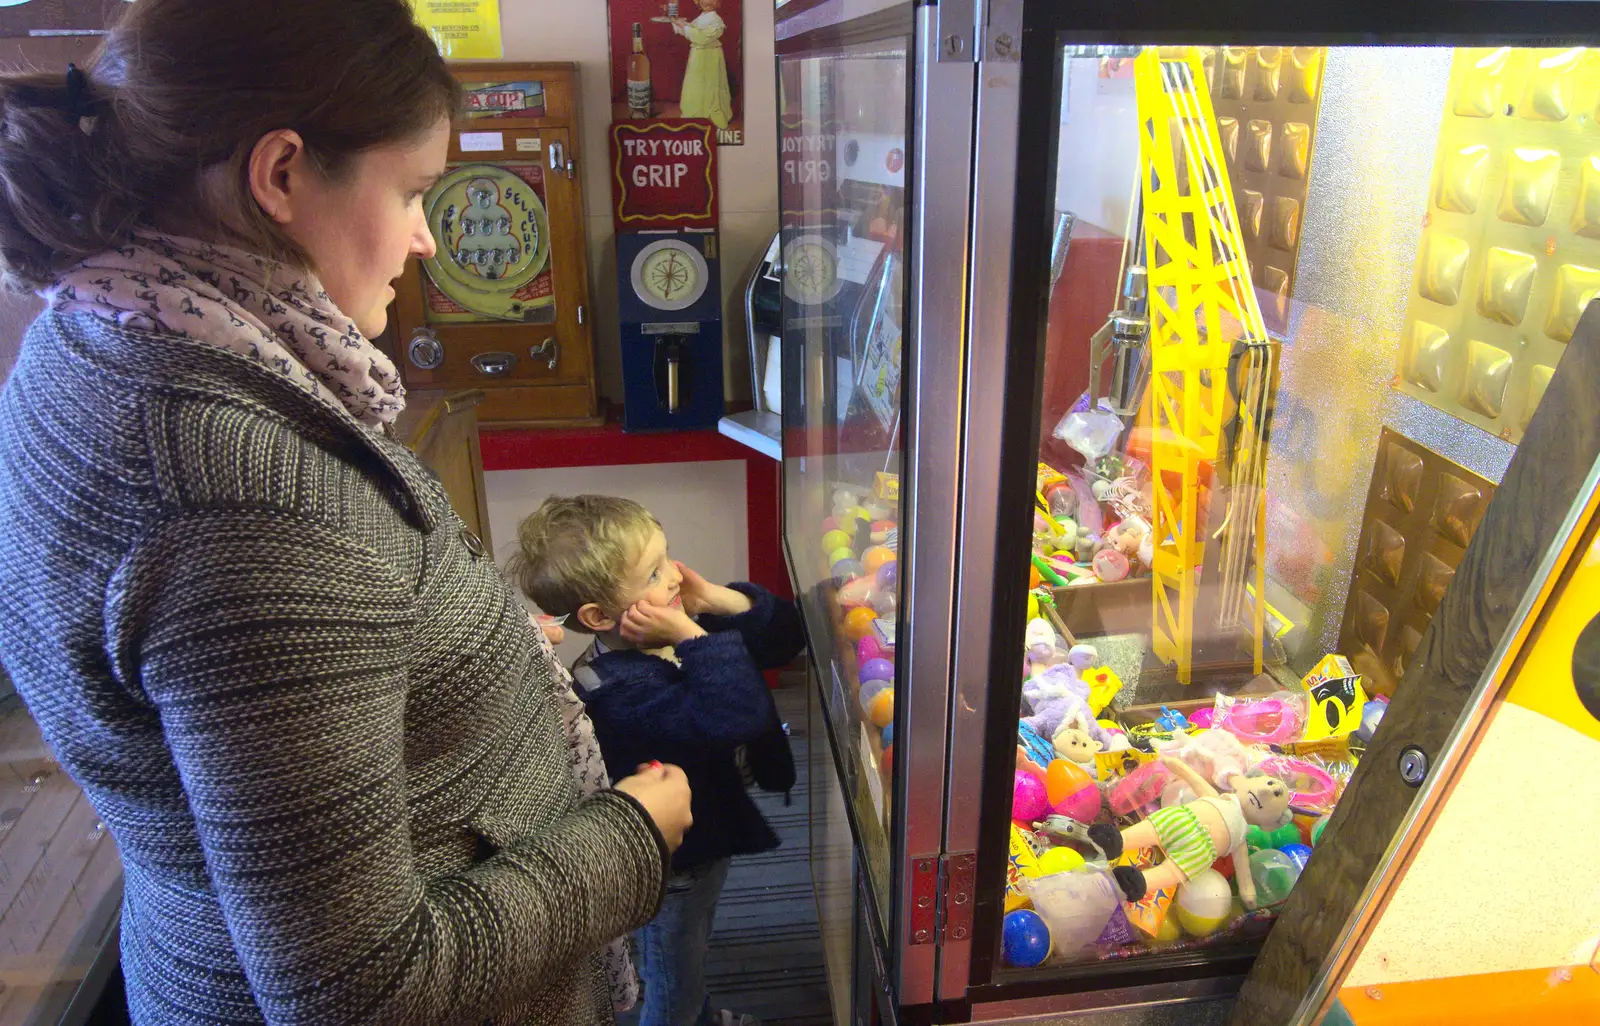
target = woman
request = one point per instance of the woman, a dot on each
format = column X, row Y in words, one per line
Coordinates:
column 705, row 92
column 327, row 741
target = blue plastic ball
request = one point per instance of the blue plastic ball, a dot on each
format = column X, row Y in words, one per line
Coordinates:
column 847, row 569
column 888, row 735
column 877, row 669
column 888, row 575
column 1025, row 939
column 1298, row 853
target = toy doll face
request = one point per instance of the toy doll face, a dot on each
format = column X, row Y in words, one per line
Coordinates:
column 1076, row 745
column 710, row 5
column 1265, row 801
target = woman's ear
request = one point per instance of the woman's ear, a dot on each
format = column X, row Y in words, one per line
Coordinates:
column 594, row 618
column 277, row 159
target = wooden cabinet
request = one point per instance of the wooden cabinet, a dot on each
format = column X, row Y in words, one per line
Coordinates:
column 504, row 305
column 443, row 431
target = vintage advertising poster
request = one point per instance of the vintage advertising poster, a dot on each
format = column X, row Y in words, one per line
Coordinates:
column 679, row 59
column 664, row 174
column 465, row 30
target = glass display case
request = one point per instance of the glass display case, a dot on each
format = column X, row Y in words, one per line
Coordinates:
column 1217, row 386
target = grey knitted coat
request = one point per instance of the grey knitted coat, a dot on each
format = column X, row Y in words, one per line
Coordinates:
column 309, row 712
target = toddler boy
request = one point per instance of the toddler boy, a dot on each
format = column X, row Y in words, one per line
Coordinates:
column 673, row 675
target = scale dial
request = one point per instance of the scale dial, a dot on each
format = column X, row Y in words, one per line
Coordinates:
column 493, row 235
column 670, row 274
column 811, row 270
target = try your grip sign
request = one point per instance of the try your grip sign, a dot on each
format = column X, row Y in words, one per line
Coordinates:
column 664, row 174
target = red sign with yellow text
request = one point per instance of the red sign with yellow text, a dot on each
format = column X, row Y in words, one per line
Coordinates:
column 664, row 174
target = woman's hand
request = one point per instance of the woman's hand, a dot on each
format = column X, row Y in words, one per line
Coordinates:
column 664, row 793
column 652, row 626
column 701, row 596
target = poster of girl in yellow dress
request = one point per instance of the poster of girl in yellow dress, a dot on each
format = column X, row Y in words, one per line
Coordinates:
column 679, row 59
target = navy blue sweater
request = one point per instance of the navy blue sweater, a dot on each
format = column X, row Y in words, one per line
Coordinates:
column 697, row 714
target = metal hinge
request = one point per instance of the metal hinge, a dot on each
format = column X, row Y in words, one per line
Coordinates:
column 956, row 22
column 1002, row 30
column 580, row 315
column 957, row 876
column 942, row 898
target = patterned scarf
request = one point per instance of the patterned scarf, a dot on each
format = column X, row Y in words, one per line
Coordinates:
column 271, row 313
column 589, row 768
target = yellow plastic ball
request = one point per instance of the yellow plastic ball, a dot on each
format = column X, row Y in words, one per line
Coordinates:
column 834, row 540
column 1033, row 607
column 858, row 622
column 876, row 557
column 841, row 553
column 881, row 712
column 1168, row 932
column 858, row 513
column 1058, row 860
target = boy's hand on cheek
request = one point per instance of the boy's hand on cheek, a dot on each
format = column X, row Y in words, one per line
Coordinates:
column 701, row 596
column 652, row 626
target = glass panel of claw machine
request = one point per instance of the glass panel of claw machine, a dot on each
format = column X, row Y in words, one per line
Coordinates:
column 1305, row 301
column 843, row 219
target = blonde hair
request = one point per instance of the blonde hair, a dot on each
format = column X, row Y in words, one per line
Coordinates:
column 573, row 551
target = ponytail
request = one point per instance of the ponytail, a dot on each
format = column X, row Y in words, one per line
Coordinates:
column 183, row 88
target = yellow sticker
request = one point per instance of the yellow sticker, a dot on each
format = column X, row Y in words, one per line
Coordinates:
column 464, row 30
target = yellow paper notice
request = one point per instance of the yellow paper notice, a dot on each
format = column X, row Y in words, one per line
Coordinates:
column 465, row 30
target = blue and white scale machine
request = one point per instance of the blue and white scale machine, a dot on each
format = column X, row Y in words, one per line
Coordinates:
column 671, row 314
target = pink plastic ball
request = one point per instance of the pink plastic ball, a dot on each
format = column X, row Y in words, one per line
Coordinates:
column 868, row 649
column 1029, row 802
column 1082, row 805
column 1204, row 718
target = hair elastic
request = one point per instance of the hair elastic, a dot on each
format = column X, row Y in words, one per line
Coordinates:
column 77, row 92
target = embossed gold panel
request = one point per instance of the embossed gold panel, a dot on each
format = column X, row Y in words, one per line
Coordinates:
column 1266, row 103
column 1421, row 512
column 1510, row 249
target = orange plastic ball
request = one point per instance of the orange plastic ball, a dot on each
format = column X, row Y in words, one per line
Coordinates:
column 858, row 622
column 881, row 711
column 1034, row 580
column 1063, row 778
column 876, row 557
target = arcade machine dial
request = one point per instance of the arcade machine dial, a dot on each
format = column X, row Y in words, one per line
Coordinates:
column 669, row 275
column 811, row 270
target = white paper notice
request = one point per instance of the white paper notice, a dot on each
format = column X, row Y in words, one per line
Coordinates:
column 533, row 145
column 483, row 142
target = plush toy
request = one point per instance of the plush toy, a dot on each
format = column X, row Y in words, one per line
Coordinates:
column 1196, row 835
column 1214, row 754
column 1073, row 743
column 1060, row 694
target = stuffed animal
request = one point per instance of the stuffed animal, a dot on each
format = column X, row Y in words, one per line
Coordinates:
column 1214, row 754
column 1060, row 694
column 1074, row 744
column 1196, row 835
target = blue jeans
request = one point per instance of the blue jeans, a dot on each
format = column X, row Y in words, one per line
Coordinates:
column 672, row 949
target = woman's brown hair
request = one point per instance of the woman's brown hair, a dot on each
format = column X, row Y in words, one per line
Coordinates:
column 181, row 88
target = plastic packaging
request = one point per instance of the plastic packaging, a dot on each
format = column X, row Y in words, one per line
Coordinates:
column 1076, row 906
column 1093, row 432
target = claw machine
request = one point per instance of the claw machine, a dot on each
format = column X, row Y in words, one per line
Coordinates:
column 1189, row 413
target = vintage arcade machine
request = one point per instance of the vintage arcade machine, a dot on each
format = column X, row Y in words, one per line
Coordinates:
column 668, row 273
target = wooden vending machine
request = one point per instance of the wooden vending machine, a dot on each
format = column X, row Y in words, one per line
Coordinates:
column 503, row 305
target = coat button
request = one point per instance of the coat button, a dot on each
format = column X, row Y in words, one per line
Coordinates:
column 472, row 542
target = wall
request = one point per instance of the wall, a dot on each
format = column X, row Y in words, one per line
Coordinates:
column 558, row 30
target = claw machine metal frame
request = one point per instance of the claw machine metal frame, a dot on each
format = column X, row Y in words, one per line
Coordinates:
column 982, row 83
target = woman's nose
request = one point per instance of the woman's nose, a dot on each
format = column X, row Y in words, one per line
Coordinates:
column 422, row 243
